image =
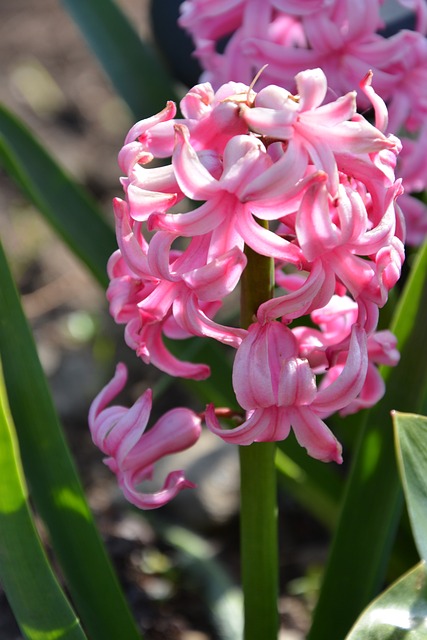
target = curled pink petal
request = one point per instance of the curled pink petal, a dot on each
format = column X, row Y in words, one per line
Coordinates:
column 174, row 483
column 313, row 434
column 348, row 385
column 261, row 425
column 140, row 128
column 149, row 346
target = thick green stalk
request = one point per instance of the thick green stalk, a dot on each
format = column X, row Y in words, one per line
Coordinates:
column 258, row 539
column 258, row 515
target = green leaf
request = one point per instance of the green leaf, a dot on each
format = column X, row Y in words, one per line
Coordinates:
column 373, row 498
column 133, row 68
column 70, row 211
column 39, row 605
column 53, row 480
column 411, row 445
column 400, row 613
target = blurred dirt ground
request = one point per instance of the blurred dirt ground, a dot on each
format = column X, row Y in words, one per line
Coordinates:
column 49, row 78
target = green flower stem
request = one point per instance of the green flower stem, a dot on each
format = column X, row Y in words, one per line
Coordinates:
column 258, row 539
column 258, row 515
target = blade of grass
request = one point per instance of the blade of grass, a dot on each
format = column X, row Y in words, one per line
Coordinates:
column 39, row 605
column 66, row 206
column 373, row 499
column 53, row 481
column 132, row 66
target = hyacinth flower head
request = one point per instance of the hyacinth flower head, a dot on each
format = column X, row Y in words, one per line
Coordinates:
column 344, row 39
column 301, row 181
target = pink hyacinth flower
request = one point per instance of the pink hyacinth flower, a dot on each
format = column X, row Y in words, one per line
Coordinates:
column 157, row 290
column 278, row 390
column 132, row 451
column 320, row 131
column 327, row 349
column 381, row 350
column 249, row 176
column 344, row 40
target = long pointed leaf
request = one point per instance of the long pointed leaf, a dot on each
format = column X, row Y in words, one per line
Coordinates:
column 53, row 481
column 411, row 444
column 39, row 605
column 373, row 500
column 71, row 212
column 135, row 71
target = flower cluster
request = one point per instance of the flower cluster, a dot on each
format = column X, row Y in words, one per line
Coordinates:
column 233, row 40
column 321, row 179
